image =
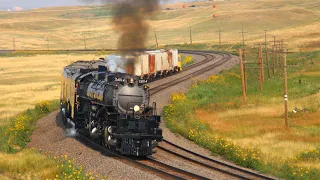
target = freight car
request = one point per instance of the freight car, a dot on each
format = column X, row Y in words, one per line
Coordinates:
column 112, row 108
column 148, row 65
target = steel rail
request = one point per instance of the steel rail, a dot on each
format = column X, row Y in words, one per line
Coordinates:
column 251, row 173
column 105, row 151
column 181, row 173
column 198, row 72
column 203, row 164
column 175, row 173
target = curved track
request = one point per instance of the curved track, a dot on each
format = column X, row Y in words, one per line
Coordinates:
column 150, row 164
column 208, row 57
column 209, row 163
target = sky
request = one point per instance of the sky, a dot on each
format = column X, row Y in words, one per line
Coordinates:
column 30, row 4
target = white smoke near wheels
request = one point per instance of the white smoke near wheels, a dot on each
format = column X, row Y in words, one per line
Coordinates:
column 71, row 132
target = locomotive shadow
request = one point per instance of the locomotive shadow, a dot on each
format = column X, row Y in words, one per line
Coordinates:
column 66, row 127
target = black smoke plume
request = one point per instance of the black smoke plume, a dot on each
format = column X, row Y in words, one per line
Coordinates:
column 130, row 21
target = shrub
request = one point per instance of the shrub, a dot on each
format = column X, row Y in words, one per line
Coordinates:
column 42, row 106
column 15, row 136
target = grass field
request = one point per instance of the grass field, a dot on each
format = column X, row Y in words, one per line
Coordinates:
column 294, row 21
column 255, row 136
column 249, row 135
column 27, row 80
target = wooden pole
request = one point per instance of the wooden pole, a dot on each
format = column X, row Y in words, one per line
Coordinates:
column 85, row 42
column 244, row 69
column 48, row 46
column 155, row 35
column 219, row 37
column 190, row 36
column 260, row 67
column 273, row 54
column 242, row 39
column 273, row 59
column 279, row 49
column 285, row 87
column 266, row 51
column 277, row 57
column 14, row 44
column 242, row 77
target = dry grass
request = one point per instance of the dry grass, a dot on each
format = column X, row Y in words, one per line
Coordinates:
column 263, row 127
column 295, row 21
column 3, row 177
column 27, row 80
column 28, row 165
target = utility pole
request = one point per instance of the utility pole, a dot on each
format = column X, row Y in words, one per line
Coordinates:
column 244, row 69
column 14, row 44
column 277, row 57
column 85, row 42
column 219, row 38
column 273, row 54
column 190, row 36
column 240, row 51
column 260, row 67
column 266, row 51
column 243, row 44
column 155, row 35
column 284, row 55
column 48, row 43
column 280, row 50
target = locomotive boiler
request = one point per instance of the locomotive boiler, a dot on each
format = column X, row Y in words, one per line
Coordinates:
column 111, row 108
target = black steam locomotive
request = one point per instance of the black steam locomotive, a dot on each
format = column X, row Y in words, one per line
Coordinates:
column 112, row 108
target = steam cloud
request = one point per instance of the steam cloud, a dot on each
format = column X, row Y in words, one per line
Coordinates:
column 129, row 20
column 117, row 63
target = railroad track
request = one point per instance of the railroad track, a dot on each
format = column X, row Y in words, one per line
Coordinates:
column 211, row 164
column 170, row 172
column 209, row 57
column 150, row 164
column 198, row 63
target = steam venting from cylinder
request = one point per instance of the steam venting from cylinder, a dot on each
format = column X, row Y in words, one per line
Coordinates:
column 130, row 21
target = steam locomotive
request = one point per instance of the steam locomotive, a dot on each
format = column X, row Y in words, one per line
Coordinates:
column 111, row 108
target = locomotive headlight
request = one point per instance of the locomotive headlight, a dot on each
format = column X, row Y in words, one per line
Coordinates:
column 136, row 108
